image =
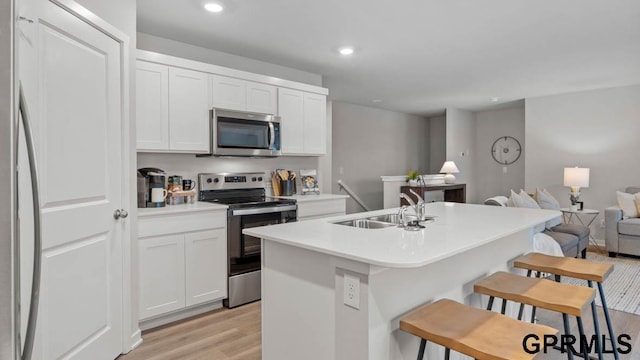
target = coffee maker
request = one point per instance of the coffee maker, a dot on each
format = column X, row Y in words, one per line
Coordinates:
column 151, row 187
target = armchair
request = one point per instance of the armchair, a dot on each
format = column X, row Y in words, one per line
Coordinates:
column 622, row 236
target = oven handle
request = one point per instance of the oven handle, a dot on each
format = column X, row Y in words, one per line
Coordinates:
column 267, row 210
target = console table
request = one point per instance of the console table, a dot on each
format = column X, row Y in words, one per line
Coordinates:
column 452, row 192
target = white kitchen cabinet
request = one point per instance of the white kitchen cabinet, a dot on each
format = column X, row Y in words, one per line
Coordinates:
column 152, row 106
column 205, row 266
column 162, row 275
column 291, row 111
column 261, row 98
column 303, row 122
column 188, row 111
column 172, row 109
column 242, row 95
column 326, row 205
column 229, row 93
column 183, row 263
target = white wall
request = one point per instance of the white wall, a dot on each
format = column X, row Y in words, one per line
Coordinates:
column 491, row 178
column 460, row 144
column 597, row 129
column 196, row 53
column 369, row 143
column 437, row 143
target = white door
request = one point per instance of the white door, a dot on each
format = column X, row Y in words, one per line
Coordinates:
column 188, row 111
column 152, row 106
column 290, row 109
column 261, row 98
column 72, row 78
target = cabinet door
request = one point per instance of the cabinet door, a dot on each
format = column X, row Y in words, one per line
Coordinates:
column 315, row 124
column 206, row 266
column 290, row 109
column 152, row 106
column 162, row 275
column 188, row 111
column 229, row 93
column 261, row 98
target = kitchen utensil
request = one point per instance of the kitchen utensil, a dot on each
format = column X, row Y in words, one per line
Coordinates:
column 275, row 184
column 284, row 174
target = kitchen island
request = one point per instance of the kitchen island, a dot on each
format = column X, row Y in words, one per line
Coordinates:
column 311, row 269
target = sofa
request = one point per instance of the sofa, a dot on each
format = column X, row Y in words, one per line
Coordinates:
column 622, row 235
column 572, row 238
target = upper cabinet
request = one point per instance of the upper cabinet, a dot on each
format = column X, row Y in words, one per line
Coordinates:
column 172, row 109
column 235, row 94
column 174, row 97
column 303, row 122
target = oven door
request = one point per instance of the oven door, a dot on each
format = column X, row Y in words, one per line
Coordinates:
column 245, row 134
column 244, row 250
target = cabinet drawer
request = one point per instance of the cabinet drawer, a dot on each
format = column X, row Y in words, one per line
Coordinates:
column 180, row 223
column 324, row 207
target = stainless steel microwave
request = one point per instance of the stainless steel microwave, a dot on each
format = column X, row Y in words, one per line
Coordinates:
column 239, row 133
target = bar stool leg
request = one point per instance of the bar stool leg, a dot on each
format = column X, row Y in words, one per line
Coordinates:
column 608, row 318
column 423, row 344
column 521, row 311
column 567, row 331
column 503, row 310
column 490, row 305
column 533, row 310
column 596, row 325
column 584, row 349
column 447, row 353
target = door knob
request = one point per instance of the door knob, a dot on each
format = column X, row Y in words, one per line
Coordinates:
column 120, row 214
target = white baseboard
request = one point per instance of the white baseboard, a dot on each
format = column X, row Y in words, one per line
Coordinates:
column 164, row 319
column 136, row 339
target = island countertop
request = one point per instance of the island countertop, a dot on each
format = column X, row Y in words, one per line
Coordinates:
column 457, row 228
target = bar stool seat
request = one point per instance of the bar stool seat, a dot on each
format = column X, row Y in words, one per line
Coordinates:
column 578, row 269
column 563, row 298
column 478, row 333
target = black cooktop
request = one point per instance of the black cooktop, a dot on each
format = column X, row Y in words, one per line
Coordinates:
column 245, row 198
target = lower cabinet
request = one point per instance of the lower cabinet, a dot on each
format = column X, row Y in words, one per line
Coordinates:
column 181, row 270
column 310, row 210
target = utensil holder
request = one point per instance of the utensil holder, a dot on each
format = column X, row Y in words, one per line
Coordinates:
column 287, row 187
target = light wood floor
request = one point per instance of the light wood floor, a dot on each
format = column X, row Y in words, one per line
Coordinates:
column 235, row 335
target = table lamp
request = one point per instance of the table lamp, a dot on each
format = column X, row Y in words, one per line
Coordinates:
column 576, row 178
column 449, row 168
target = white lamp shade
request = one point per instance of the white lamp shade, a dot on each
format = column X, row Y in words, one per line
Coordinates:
column 577, row 177
column 449, row 167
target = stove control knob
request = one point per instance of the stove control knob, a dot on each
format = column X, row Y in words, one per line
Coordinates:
column 260, row 179
column 209, row 181
column 253, row 179
column 216, row 180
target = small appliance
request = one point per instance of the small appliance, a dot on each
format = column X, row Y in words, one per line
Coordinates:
column 153, row 189
column 239, row 133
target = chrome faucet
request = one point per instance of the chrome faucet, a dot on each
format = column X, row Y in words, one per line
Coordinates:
column 417, row 208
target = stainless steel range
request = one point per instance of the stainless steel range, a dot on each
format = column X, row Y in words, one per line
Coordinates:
column 244, row 193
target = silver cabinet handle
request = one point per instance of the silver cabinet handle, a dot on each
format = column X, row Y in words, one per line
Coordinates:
column 120, row 214
column 37, row 241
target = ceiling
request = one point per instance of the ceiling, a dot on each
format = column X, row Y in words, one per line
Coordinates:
column 421, row 56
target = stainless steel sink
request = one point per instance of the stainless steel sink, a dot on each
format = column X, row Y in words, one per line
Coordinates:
column 386, row 218
column 365, row 224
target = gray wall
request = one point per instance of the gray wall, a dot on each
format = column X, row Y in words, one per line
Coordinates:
column 369, row 143
column 196, row 53
column 491, row 178
column 437, row 143
column 596, row 129
column 460, row 144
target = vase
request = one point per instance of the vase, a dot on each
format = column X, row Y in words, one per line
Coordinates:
column 413, row 182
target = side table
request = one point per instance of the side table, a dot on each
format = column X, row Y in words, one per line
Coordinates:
column 589, row 215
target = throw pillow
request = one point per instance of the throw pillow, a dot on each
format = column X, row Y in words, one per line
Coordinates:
column 523, row 200
column 546, row 200
column 627, row 202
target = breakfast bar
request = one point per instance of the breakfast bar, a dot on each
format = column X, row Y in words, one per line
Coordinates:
column 333, row 291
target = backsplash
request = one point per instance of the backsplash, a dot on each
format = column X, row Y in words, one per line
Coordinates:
column 188, row 166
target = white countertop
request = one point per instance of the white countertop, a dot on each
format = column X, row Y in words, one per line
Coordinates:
column 174, row 209
column 309, row 198
column 457, row 228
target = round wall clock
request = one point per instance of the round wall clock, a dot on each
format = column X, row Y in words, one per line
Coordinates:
column 506, row 150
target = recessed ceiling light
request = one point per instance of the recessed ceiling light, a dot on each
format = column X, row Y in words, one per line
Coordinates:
column 347, row 50
column 376, row 100
column 495, row 99
column 213, row 7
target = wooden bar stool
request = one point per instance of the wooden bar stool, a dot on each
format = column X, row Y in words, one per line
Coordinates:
column 579, row 269
column 570, row 300
column 481, row 334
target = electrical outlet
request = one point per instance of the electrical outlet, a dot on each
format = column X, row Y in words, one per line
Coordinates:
column 352, row 291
